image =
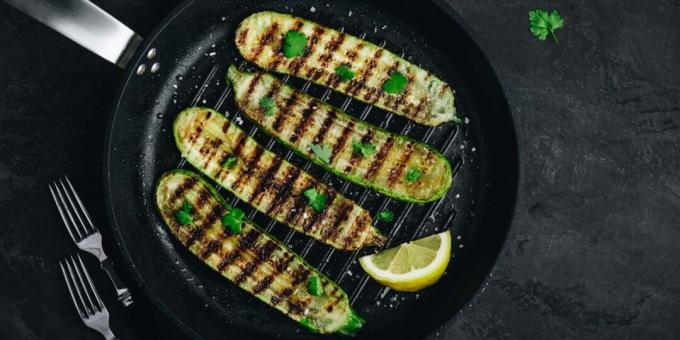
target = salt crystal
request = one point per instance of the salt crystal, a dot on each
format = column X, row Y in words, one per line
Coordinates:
column 212, row 54
column 467, row 120
column 349, row 14
column 312, row 9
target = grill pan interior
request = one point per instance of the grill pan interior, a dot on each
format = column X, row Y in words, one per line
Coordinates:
column 194, row 48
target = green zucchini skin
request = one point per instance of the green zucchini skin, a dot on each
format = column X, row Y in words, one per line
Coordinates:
column 300, row 120
column 273, row 186
column 255, row 261
column 426, row 99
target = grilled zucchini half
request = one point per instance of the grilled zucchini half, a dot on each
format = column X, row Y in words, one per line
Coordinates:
column 359, row 152
column 226, row 154
column 424, row 99
column 252, row 259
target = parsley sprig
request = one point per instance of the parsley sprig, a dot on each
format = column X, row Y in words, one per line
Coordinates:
column 294, row 44
column 386, row 216
column 233, row 220
column 344, row 72
column 396, row 83
column 183, row 216
column 542, row 23
column 317, row 200
column 364, row 149
column 230, row 162
column 323, row 152
column 413, row 175
column 268, row 105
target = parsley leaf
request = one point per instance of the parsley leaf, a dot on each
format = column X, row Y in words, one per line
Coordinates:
column 294, row 44
column 344, row 73
column 268, row 104
column 542, row 23
column 233, row 220
column 323, row 152
column 413, row 175
column 230, row 162
column 317, row 200
column 314, row 285
column 183, row 216
column 396, row 83
column 386, row 216
column 362, row 149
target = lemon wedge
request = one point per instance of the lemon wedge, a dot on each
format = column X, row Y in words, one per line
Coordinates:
column 410, row 266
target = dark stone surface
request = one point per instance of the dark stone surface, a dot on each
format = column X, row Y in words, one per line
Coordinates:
column 592, row 253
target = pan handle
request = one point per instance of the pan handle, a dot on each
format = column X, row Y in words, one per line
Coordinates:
column 87, row 25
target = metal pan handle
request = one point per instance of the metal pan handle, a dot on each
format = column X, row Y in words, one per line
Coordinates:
column 87, row 25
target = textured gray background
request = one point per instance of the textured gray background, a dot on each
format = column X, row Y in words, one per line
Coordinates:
column 594, row 250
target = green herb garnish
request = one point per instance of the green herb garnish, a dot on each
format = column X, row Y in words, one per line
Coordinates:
column 413, row 175
column 386, row 216
column 344, row 73
column 542, row 23
column 233, row 220
column 183, row 216
column 314, row 285
column 362, row 149
column 396, row 83
column 323, row 152
column 268, row 104
column 230, row 162
column 317, row 200
column 294, row 44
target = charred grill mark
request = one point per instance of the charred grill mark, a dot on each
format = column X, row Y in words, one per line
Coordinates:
column 182, row 188
column 283, row 295
column 242, row 34
column 251, row 164
column 214, row 148
column 327, row 122
column 313, row 40
column 249, row 269
column 342, row 140
column 282, row 114
column 263, row 253
column 227, row 259
column 266, row 39
column 380, row 158
column 332, row 232
column 263, row 284
column 202, row 199
column 300, row 275
column 366, row 139
column 289, row 178
column 198, row 231
column 192, row 137
column 210, row 248
column 303, row 124
column 272, row 93
column 264, row 182
column 282, row 264
column 366, row 73
column 332, row 46
column 381, row 93
column 247, row 240
column 298, row 206
column 226, row 125
column 397, row 172
column 351, row 55
column 251, row 86
column 331, row 305
column 360, row 224
column 294, row 307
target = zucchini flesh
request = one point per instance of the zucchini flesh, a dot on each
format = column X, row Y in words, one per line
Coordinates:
column 426, row 99
column 270, row 184
column 300, row 120
column 255, row 261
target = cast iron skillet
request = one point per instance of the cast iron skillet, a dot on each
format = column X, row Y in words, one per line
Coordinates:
column 194, row 46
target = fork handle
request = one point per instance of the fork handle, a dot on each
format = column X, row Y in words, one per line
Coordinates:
column 123, row 293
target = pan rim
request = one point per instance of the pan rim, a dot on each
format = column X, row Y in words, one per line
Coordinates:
column 108, row 148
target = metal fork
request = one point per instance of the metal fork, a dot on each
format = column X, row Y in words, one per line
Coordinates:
column 83, row 232
column 85, row 298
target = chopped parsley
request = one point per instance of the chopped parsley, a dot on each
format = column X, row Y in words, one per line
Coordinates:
column 314, row 285
column 323, row 152
column 183, row 216
column 386, row 216
column 294, row 44
column 362, row 149
column 268, row 104
column 396, row 83
column 542, row 23
column 317, row 200
column 413, row 175
column 233, row 220
column 230, row 162
column 344, row 73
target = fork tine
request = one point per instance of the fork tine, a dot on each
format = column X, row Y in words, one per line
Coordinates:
column 75, row 211
column 80, row 203
column 83, row 285
column 100, row 304
column 70, row 291
column 87, row 309
column 63, row 216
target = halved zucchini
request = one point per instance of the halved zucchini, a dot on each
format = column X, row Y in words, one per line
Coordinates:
column 223, row 152
column 359, row 152
column 252, row 259
column 422, row 97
